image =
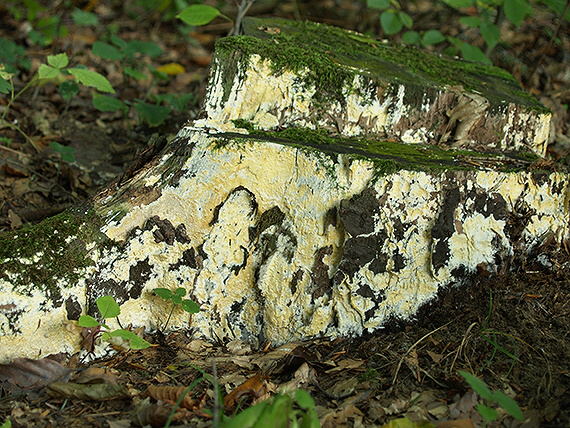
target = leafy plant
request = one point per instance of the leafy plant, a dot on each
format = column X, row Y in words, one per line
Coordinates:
column 201, row 14
column 490, row 14
column 177, row 298
column 108, row 308
column 56, row 70
column 280, row 411
column 497, row 397
column 6, row 424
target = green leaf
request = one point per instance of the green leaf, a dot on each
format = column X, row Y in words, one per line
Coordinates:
column 198, row 14
column 490, row 33
column 190, row 306
column 304, row 399
column 432, row 37
column 411, row 37
column 92, row 78
column 146, row 48
column 473, row 53
column 470, row 21
column 84, row 19
column 87, row 321
column 406, row 19
column 153, row 114
column 68, row 89
column 47, row 72
column 180, row 291
column 164, row 293
column 135, row 342
column 107, row 51
column 278, row 413
column 176, row 299
column 58, row 61
column 117, row 41
column 6, row 424
column 5, row 86
column 65, row 152
column 487, row 413
column 459, row 4
column 509, row 405
column 108, row 307
column 517, row 10
column 248, row 417
column 378, row 4
column 134, row 73
column 107, row 103
column 391, row 22
column 477, row 384
column 180, row 102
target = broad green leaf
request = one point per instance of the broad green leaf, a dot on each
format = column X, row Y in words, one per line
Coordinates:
column 304, row 399
column 509, row 405
column 406, row 19
column 180, row 102
column 87, row 321
column 470, row 21
column 134, row 73
column 135, row 342
column 411, row 37
column 6, row 424
column 487, row 413
column 65, row 152
column 5, row 86
column 278, row 413
column 154, row 115
column 247, row 418
column 473, row 53
column 146, row 48
column 108, row 307
column 117, row 41
column 68, row 89
column 198, row 14
column 164, row 293
column 391, row 22
column 180, row 291
column 176, row 299
column 311, row 420
column 58, row 61
column 92, row 78
column 378, row 4
column 490, row 33
column 517, row 10
column 459, row 4
column 107, row 51
column 190, row 306
column 477, row 384
column 47, row 72
column 83, row 18
column 107, row 103
column 432, row 37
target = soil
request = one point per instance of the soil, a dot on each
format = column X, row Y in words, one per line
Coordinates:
column 510, row 329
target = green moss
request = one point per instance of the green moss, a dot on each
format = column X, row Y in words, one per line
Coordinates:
column 332, row 57
column 42, row 254
column 388, row 156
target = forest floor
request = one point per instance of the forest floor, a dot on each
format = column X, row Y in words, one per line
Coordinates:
column 511, row 329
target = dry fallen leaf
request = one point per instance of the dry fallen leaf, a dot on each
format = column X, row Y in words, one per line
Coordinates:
column 253, row 387
column 28, row 374
column 171, row 394
column 93, row 392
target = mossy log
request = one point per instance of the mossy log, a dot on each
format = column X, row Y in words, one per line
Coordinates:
column 297, row 205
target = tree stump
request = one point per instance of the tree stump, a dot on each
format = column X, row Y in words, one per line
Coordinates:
column 331, row 184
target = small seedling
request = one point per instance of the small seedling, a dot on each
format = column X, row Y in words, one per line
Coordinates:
column 109, row 308
column 177, row 299
column 488, row 413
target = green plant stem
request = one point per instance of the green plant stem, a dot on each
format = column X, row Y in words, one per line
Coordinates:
column 17, row 128
column 169, row 315
column 13, row 98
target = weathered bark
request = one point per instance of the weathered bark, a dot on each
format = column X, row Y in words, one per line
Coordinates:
column 293, row 234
